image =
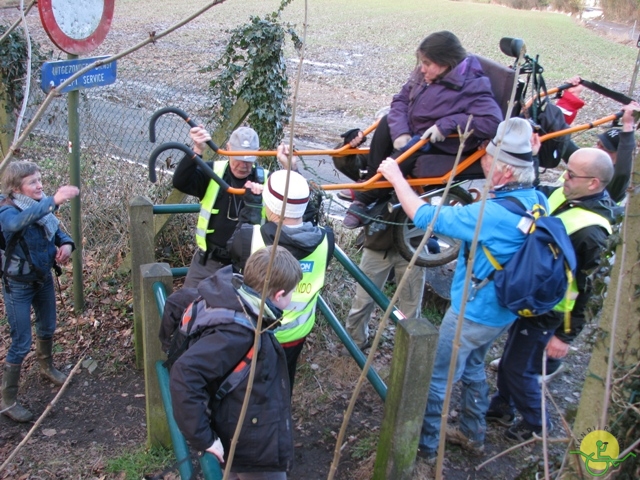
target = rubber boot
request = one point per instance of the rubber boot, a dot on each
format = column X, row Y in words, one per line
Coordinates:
column 9, row 404
column 43, row 353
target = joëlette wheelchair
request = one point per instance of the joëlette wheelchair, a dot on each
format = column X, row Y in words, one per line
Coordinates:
column 428, row 177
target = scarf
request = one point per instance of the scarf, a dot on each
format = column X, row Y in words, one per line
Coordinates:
column 49, row 222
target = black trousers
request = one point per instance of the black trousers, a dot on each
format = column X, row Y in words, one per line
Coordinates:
column 292, row 353
column 382, row 147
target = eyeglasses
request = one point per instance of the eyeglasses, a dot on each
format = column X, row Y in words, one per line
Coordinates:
column 572, row 175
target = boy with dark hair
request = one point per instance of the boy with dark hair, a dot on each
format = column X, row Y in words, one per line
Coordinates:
column 229, row 317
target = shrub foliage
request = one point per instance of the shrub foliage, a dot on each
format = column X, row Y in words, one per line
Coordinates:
column 253, row 68
column 13, row 66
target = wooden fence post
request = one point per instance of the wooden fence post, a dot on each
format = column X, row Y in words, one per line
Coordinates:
column 626, row 348
column 413, row 355
column 157, row 426
column 142, row 244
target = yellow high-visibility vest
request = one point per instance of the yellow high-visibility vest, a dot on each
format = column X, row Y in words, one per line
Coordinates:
column 299, row 317
column 573, row 220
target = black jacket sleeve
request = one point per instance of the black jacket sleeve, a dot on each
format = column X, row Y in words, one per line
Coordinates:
column 196, row 376
column 331, row 241
column 617, row 187
column 173, row 309
column 190, row 179
column 239, row 246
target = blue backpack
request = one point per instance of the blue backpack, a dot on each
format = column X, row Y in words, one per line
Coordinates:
column 539, row 274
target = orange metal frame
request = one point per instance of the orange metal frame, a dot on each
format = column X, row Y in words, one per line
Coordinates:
column 376, row 181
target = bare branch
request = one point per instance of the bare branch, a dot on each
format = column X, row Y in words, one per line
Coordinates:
column 42, row 417
column 56, row 91
column 17, row 22
column 27, row 82
column 276, row 240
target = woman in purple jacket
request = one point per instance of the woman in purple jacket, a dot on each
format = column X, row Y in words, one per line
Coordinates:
column 445, row 89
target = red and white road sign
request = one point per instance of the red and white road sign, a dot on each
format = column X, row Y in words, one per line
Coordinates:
column 76, row 26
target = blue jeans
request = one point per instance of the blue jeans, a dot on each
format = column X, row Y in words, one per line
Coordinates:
column 518, row 370
column 475, row 340
column 17, row 304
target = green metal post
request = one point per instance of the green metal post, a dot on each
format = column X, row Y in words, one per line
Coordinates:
column 208, row 462
column 376, row 382
column 180, row 447
column 76, row 216
column 367, row 284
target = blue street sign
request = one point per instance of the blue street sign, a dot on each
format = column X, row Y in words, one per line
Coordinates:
column 54, row 73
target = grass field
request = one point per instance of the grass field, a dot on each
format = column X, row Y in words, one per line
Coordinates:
column 386, row 33
column 360, row 53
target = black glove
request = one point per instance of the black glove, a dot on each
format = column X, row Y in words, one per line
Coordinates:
column 350, row 135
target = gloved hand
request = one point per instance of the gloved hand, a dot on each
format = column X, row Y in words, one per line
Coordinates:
column 434, row 134
column 415, row 139
column 217, row 449
column 350, row 135
column 401, row 141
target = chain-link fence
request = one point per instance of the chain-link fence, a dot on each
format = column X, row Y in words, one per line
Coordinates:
column 114, row 119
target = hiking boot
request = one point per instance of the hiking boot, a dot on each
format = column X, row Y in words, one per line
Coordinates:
column 500, row 412
column 456, row 437
column 353, row 218
column 501, row 417
column 345, row 353
column 550, row 376
column 495, row 364
column 44, row 354
column 523, row 431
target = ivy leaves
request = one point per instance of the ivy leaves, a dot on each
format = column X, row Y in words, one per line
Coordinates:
column 13, row 66
column 253, row 68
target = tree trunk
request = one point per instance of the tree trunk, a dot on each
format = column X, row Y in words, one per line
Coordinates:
column 626, row 348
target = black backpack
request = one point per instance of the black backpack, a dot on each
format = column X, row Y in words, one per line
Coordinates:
column 547, row 117
column 6, row 249
column 195, row 324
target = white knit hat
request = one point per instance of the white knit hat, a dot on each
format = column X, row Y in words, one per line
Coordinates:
column 296, row 200
column 516, row 142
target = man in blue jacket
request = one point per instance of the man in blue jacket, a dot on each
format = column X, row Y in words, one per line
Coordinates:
column 587, row 213
column 484, row 319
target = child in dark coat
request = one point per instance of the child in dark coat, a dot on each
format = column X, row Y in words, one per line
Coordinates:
column 265, row 446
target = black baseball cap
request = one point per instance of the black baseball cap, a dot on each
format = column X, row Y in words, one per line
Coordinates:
column 610, row 139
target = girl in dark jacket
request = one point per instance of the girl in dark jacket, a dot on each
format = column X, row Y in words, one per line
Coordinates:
column 446, row 88
column 33, row 242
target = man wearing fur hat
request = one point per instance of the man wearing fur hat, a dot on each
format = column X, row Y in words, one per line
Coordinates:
column 484, row 319
column 311, row 245
column 219, row 211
